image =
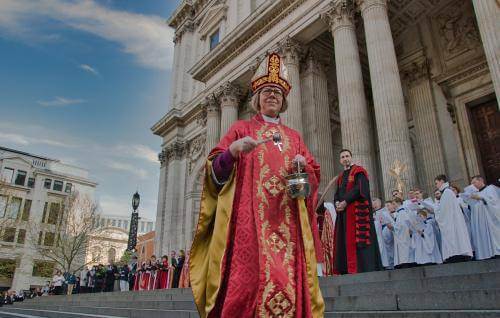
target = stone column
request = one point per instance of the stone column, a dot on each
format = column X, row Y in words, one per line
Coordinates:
column 23, row 272
column 390, row 112
column 213, row 123
column 290, row 50
column 230, row 96
column 353, row 110
column 175, row 71
column 174, row 154
column 316, row 119
column 187, row 52
column 488, row 15
column 423, row 109
column 160, row 210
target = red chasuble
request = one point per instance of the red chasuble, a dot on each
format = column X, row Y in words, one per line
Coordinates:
column 254, row 253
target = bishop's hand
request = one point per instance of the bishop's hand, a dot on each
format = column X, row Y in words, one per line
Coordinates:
column 245, row 144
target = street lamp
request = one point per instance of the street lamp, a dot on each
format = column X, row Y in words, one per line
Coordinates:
column 134, row 222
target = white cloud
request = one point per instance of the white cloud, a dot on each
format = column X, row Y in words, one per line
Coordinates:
column 137, row 151
column 20, row 139
column 111, row 205
column 59, row 101
column 146, row 37
column 122, row 166
column 89, row 69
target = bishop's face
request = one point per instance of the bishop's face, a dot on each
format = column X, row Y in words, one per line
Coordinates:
column 270, row 101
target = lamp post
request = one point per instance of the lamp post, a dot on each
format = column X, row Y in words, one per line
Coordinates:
column 132, row 235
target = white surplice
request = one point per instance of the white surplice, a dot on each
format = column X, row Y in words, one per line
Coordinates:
column 378, row 221
column 485, row 223
column 455, row 239
column 426, row 245
column 403, row 251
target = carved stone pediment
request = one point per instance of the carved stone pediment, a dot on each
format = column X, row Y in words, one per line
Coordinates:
column 212, row 19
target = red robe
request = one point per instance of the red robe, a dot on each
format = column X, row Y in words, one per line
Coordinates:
column 163, row 275
column 327, row 238
column 263, row 271
column 354, row 230
column 184, row 279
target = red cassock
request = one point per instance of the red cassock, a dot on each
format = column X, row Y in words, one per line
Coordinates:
column 184, row 279
column 264, row 266
column 145, row 280
column 327, row 238
column 137, row 279
column 163, row 275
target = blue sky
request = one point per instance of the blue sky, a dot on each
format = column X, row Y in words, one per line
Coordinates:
column 83, row 81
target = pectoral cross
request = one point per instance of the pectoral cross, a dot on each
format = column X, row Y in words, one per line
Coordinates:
column 277, row 141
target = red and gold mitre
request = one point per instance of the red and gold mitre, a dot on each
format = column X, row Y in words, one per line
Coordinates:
column 271, row 72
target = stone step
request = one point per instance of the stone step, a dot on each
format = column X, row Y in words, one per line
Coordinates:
column 415, row 314
column 101, row 312
column 421, row 272
column 450, row 300
column 483, row 281
column 143, row 304
column 31, row 313
column 12, row 312
column 130, row 296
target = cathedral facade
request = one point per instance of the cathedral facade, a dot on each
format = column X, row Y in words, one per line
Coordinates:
column 410, row 86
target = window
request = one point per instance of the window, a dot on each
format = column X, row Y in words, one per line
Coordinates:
column 7, row 174
column 26, row 210
column 3, row 205
column 47, row 183
column 9, row 234
column 54, row 213
column 58, row 185
column 49, row 239
column 61, row 218
column 40, row 237
column 142, row 227
column 43, row 268
column 7, row 267
column 68, row 188
column 31, row 183
column 44, row 216
column 119, row 223
column 14, row 207
column 21, row 236
column 113, row 223
column 125, row 225
column 20, row 177
column 214, row 39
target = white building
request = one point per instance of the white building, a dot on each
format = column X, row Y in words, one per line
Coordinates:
column 110, row 239
column 31, row 196
column 145, row 225
column 412, row 83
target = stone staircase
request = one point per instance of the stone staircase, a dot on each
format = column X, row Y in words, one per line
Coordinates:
column 459, row 290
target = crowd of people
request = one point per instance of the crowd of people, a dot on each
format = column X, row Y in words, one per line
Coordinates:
column 453, row 226
column 168, row 272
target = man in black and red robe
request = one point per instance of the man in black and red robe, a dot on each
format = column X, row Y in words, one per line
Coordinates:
column 356, row 248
